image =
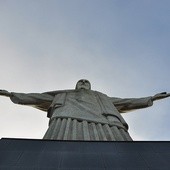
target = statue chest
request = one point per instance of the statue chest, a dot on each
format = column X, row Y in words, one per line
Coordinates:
column 86, row 105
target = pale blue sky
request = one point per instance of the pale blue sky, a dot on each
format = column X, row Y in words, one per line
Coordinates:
column 122, row 47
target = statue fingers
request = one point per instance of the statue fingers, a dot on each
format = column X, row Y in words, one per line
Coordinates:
column 5, row 93
column 160, row 96
column 163, row 93
column 168, row 94
column 2, row 91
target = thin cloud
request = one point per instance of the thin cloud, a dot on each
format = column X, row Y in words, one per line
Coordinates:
column 122, row 50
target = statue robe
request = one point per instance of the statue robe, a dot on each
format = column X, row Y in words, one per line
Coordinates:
column 83, row 114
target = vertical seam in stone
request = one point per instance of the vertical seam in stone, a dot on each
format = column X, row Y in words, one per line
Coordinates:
column 79, row 131
column 96, row 136
column 126, row 137
column 110, row 132
column 56, row 129
column 74, row 131
column 102, row 132
column 117, row 133
column 127, row 134
column 67, row 129
column 62, row 129
column 49, row 130
column 86, row 131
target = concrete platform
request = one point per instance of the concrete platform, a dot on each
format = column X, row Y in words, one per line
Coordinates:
column 31, row 154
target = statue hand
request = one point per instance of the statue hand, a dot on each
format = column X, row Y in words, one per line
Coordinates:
column 160, row 96
column 5, row 93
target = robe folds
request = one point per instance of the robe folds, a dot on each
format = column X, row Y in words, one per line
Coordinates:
column 83, row 114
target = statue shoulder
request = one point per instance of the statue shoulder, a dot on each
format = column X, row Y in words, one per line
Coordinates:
column 100, row 94
column 53, row 93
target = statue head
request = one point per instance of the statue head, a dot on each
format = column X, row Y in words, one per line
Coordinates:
column 83, row 84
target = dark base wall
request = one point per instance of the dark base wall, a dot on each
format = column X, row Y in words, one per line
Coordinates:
column 31, row 154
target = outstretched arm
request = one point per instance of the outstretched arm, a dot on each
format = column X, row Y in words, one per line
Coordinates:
column 40, row 101
column 160, row 96
column 130, row 104
column 5, row 93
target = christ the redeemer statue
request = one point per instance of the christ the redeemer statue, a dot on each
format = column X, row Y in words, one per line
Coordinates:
column 84, row 114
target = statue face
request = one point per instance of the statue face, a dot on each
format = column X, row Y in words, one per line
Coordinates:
column 83, row 84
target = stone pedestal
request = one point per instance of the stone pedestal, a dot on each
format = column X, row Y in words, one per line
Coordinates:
column 31, row 154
